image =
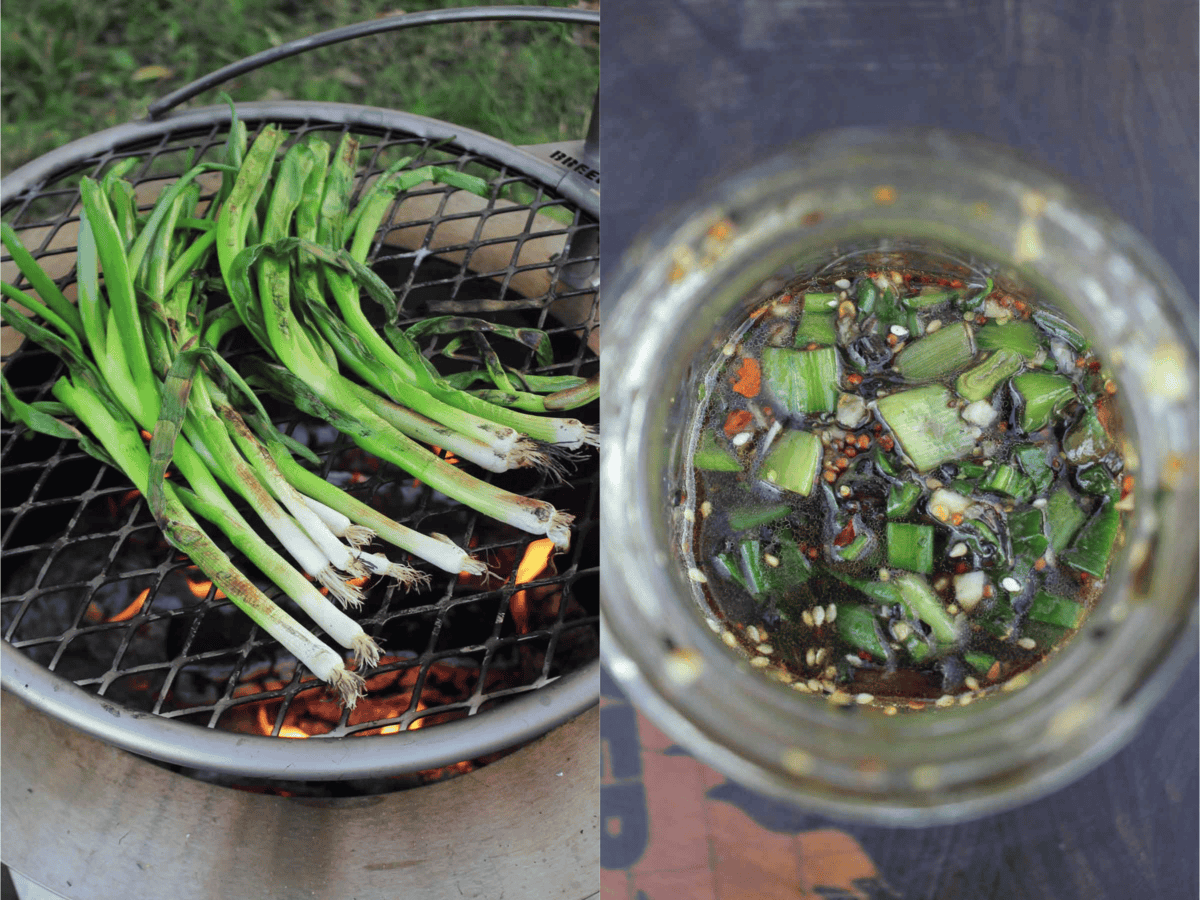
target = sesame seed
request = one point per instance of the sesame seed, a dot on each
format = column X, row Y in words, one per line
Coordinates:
column 752, row 633
column 714, row 625
column 844, row 490
column 901, row 630
column 899, row 331
column 729, row 638
column 945, row 700
column 830, row 672
column 890, row 710
column 831, row 612
column 783, row 676
column 853, row 660
column 802, row 687
column 697, row 576
column 820, row 657
column 765, row 649
column 972, row 682
column 864, row 699
column 1027, row 643
column 706, row 508
column 1040, row 503
column 814, row 685
column 772, row 561
column 740, row 438
column 689, row 514
column 728, row 349
column 807, row 618
column 964, row 699
column 1011, row 584
column 810, row 656
column 959, row 549
column 884, row 575
column 841, row 698
column 760, row 662
column 842, row 283
column 933, row 326
column 818, row 614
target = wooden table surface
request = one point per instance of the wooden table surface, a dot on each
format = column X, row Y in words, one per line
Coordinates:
column 1106, row 94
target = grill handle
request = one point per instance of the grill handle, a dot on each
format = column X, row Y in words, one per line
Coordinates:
column 362, row 29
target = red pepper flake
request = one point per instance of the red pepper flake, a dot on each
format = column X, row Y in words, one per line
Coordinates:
column 830, row 476
column 851, row 452
column 812, row 218
column 854, row 379
column 813, row 552
column 1126, row 486
column 864, row 441
column 886, row 442
column 1040, row 563
column 842, row 463
column 845, row 536
column 962, row 568
column 994, row 672
column 956, row 282
column 749, row 378
column 1094, row 365
column 864, row 655
column 737, row 421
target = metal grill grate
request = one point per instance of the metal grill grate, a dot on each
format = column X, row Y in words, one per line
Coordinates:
column 91, row 591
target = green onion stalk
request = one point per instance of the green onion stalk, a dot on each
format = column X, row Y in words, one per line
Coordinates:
column 397, row 369
column 87, row 395
column 270, row 318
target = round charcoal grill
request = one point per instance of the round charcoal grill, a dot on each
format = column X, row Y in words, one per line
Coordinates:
column 109, row 629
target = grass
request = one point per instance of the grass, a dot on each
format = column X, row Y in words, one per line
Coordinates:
column 69, row 69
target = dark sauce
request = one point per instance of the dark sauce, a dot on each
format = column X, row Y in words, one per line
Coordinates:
column 1000, row 583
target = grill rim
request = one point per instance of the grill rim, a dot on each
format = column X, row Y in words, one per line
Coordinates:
column 316, row 759
column 319, row 758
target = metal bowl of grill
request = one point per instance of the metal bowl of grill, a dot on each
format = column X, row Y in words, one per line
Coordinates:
column 108, row 630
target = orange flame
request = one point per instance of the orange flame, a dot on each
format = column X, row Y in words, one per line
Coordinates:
column 533, row 563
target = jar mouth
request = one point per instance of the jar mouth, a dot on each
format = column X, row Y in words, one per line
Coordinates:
column 677, row 294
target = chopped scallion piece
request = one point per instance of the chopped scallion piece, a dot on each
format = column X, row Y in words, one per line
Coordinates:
column 793, row 462
column 1055, row 610
column 980, row 662
column 1032, row 460
column 978, row 382
column 1096, row 480
column 925, row 425
column 1093, row 546
column 1025, row 529
column 857, row 627
column 1042, row 394
column 1004, row 479
column 1063, row 518
column 922, row 603
column 1058, row 328
column 867, row 295
column 857, row 550
column 1019, row 336
column 901, row 499
column 944, row 352
column 910, row 547
column 1086, row 440
column 820, row 302
column 712, row 457
column 931, row 298
column 816, row 328
column 753, row 516
column 802, row 381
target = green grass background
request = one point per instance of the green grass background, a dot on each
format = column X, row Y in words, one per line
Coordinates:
column 69, row 68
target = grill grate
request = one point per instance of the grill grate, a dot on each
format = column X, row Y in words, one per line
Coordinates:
column 92, row 592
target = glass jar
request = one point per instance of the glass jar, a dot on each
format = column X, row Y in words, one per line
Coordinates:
column 678, row 295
